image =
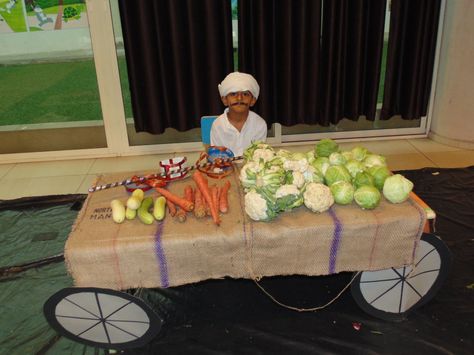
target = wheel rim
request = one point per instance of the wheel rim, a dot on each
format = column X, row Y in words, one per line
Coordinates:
column 392, row 293
column 103, row 318
column 398, row 290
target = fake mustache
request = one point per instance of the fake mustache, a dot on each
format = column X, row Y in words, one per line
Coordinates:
column 240, row 103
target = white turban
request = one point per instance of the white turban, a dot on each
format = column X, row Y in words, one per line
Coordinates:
column 235, row 82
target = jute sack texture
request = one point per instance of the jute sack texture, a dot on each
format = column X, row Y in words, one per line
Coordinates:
column 101, row 253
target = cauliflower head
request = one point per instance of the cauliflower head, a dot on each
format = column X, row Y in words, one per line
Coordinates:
column 248, row 173
column 300, row 165
column 295, row 178
column 318, row 197
column 264, row 154
column 257, row 207
column 288, row 197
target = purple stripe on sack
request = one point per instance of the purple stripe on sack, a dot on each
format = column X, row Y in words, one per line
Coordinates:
column 160, row 254
column 335, row 241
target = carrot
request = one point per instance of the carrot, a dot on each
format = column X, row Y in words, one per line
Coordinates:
column 189, row 196
column 199, row 205
column 171, row 208
column 202, row 185
column 223, row 201
column 215, row 196
column 179, row 201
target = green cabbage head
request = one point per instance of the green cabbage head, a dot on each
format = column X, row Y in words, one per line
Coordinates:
column 397, row 188
column 325, row 147
column 343, row 192
column 379, row 173
column 363, row 178
column 337, row 173
column 367, row 197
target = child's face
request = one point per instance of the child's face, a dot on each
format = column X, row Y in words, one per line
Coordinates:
column 240, row 101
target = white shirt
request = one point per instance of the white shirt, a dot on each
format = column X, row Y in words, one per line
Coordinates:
column 224, row 134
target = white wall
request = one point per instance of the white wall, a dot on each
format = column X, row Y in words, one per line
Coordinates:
column 453, row 106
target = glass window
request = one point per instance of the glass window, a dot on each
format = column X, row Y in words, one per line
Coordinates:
column 49, row 99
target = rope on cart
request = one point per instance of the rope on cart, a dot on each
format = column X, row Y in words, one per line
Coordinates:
column 312, row 309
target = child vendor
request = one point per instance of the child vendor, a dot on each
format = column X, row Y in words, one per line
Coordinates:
column 238, row 127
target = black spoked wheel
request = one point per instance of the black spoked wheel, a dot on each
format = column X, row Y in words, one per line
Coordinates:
column 102, row 318
column 392, row 293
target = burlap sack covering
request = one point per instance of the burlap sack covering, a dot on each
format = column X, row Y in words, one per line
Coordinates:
column 102, row 253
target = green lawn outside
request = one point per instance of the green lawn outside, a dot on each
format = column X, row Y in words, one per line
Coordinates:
column 53, row 92
column 66, row 92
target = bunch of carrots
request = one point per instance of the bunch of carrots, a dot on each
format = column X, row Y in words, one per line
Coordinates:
column 203, row 200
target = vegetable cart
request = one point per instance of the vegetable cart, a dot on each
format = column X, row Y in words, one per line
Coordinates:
column 398, row 263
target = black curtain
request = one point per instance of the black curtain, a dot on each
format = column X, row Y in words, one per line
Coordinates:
column 279, row 45
column 410, row 58
column 308, row 76
column 351, row 56
column 177, row 52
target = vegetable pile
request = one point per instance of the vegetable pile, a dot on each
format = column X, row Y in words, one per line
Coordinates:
column 200, row 200
column 278, row 181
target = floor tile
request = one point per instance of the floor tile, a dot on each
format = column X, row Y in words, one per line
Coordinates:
column 5, row 168
column 50, row 168
column 428, row 145
column 88, row 181
column 126, row 164
column 455, row 159
column 408, row 161
column 40, row 186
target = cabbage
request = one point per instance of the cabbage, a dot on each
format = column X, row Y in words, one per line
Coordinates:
column 321, row 164
column 348, row 155
column 354, row 167
column 367, row 197
column 359, row 153
column 397, row 188
column 343, row 192
column 374, row 160
column 379, row 173
column 337, row 173
column 313, row 175
column 362, row 179
column 288, row 197
column 337, row 159
column 325, row 147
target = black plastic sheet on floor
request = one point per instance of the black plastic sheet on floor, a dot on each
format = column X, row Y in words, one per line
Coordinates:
column 234, row 316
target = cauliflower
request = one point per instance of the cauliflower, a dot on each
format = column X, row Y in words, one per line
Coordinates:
column 300, row 165
column 318, row 197
column 284, row 153
column 284, row 190
column 296, row 178
column 262, row 150
column 263, row 153
column 257, row 207
column 248, row 174
column 270, row 179
column 288, row 197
